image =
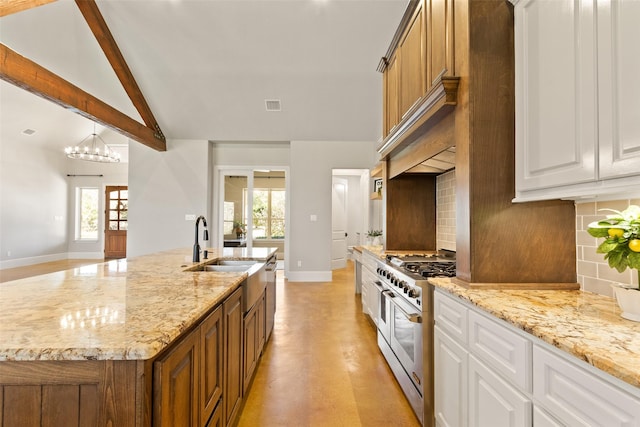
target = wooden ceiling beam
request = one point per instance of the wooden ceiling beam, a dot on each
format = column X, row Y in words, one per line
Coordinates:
column 98, row 26
column 7, row 7
column 24, row 73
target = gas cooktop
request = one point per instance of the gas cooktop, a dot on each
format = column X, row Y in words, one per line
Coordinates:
column 441, row 264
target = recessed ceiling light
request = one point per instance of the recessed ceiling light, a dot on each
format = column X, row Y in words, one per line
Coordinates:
column 28, row 132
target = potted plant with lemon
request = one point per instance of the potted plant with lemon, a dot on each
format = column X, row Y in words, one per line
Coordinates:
column 621, row 249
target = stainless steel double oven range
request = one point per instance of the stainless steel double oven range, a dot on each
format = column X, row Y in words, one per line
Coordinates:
column 405, row 322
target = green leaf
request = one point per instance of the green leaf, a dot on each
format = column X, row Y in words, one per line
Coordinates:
column 607, row 246
column 634, row 260
column 598, row 232
column 617, row 260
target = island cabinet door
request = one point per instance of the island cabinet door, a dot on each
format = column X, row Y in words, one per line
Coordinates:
column 176, row 378
column 232, row 394
column 211, row 357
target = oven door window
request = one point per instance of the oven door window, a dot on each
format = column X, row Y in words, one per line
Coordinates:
column 403, row 334
column 406, row 341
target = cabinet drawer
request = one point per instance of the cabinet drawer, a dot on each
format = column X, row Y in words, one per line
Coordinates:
column 578, row 397
column 369, row 261
column 451, row 316
column 503, row 349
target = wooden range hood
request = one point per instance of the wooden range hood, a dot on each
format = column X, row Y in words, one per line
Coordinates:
column 499, row 244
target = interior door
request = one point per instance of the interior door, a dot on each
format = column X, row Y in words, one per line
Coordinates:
column 339, row 223
column 115, row 232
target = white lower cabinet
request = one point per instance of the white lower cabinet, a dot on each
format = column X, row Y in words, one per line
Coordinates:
column 541, row 418
column 578, row 397
column 451, row 366
column 493, row 402
column 497, row 375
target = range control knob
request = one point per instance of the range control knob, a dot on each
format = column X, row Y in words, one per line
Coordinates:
column 412, row 293
column 402, row 284
column 405, row 289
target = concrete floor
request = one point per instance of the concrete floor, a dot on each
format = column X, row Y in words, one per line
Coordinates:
column 322, row 366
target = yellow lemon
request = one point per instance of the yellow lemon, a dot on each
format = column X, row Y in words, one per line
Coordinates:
column 634, row 245
column 615, row 232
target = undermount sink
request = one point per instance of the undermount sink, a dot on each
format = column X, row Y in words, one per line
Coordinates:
column 227, row 268
column 244, row 262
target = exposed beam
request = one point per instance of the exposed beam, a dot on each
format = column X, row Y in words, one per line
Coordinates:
column 7, row 7
column 94, row 18
column 24, row 73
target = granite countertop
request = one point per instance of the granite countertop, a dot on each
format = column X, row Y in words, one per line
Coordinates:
column 127, row 309
column 583, row 324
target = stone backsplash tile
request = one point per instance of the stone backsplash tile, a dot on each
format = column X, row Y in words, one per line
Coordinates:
column 594, row 274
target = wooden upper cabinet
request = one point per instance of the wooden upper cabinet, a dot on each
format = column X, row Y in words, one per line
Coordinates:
column 412, row 62
column 439, row 18
column 420, row 57
column 391, row 106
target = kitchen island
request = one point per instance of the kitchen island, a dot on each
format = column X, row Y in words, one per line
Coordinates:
column 92, row 334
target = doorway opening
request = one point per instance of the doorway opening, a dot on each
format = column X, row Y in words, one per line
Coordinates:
column 350, row 212
column 252, row 209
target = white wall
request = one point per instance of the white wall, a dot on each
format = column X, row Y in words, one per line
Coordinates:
column 37, row 199
column 311, row 171
column 163, row 188
column 33, row 203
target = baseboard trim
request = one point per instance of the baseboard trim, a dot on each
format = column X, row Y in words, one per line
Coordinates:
column 309, row 276
column 23, row 262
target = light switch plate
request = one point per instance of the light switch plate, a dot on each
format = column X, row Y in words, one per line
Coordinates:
column 313, row 217
column 189, row 217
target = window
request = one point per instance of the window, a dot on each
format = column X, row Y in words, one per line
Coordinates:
column 268, row 213
column 87, row 214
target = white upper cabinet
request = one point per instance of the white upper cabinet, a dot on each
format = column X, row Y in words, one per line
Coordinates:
column 619, row 87
column 577, row 98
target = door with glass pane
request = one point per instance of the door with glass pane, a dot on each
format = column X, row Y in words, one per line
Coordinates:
column 115, row 233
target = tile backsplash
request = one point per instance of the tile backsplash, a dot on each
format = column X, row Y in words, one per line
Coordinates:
column 446, row 211
column 594, row 274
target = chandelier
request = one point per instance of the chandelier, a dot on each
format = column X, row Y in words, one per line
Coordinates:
column 94, row 149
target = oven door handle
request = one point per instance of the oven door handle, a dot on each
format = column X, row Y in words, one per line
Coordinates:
column 411, row 317
column 379, row 285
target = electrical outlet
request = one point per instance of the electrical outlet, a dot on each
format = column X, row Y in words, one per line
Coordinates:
column 189, row 217
column 299, row 263
column 8, row 253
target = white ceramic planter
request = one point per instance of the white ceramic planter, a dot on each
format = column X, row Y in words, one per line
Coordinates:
column 629, row 301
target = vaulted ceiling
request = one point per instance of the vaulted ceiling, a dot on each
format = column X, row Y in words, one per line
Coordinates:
column 206, row 67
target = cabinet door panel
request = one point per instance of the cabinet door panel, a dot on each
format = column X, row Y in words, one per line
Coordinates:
column 412, row 60
column 579, row 398
column 493, row 402
column 440, row 40
column 450, row 388
column 176, row 376
column 542, row 419
column 211, row 338
column 232, row 397
column 556, row 114
column 619, row 88
column 391, row 93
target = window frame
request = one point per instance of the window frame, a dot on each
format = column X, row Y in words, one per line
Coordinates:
column 78, row 214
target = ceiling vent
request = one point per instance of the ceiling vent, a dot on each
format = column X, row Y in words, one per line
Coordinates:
column 272, row 104
column 28, row 132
